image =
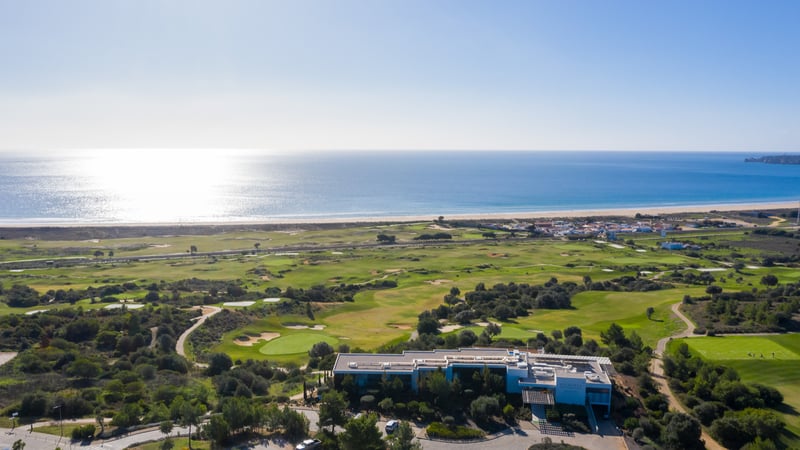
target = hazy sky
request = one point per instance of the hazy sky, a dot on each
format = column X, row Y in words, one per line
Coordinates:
column 402, row 74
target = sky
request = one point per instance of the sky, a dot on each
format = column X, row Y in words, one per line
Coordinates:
column 402, row 74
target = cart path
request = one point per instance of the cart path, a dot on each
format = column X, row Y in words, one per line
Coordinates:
column 208, row 311
column 657, row 371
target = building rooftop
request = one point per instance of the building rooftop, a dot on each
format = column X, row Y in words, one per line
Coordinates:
column 542, row 368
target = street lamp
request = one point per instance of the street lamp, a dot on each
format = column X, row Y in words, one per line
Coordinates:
column 60, row 418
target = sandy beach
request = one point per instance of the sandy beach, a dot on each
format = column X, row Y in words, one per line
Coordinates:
column 622, row 212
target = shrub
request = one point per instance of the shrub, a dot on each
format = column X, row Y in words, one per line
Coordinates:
column 440, row 430
column 631, row 423
column 83, row 432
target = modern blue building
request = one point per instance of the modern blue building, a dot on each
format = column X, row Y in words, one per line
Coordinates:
column 541, row 379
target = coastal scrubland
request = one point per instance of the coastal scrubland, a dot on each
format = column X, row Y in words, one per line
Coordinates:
column 283, row 290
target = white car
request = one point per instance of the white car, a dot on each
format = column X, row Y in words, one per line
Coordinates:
column 308, row 444
column 391, row 426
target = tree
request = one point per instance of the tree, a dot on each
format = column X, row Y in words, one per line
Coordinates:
column 257, row 246
column 18, row 445
column 21, row 296
column 714, row 289
column 219, row 362
column 362, row 433
column 386, row 239
column 321, row 349
column 769, row 280
column 217, row 429
column 84, row 369
column 295, row 424
column 98, row 253
column 403, row 438
column 166, row 427
column 682, row 432
column 614, row 335
column 193, row 249
column 101, row 422
column 650, row 311
column 428, row 325
column 190, row 415
column 331, row 409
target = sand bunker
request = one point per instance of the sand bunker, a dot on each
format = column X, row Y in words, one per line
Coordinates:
column 607, row 270
column 616, row 246
column 251, row 340
column 35, row 311
column 712, row 269
column 126, row 305
column 305, row 327
column 449, row 328
column 641, row 250
column 752, row 267
column 160, row 245
column 400, row 327
column 244, row 303
column 497, row 255
column 438, row 282
column 337, row 253
column 271, row 300
column 287, row 254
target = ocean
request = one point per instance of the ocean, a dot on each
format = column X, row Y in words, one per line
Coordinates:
column 117, row 186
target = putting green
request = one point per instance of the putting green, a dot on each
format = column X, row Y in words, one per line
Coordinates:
column 295, row 343
column 740, row 347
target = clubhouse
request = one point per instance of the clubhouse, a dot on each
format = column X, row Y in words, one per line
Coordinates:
column 541, row 379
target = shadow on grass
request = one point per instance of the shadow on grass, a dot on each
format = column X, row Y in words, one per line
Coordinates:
column 790, row 410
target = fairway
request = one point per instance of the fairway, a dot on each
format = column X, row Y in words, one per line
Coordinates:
column 295, row 343
column 740, row 347
column 783, row 372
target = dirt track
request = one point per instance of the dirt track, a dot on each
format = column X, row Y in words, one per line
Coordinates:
column 657, row 370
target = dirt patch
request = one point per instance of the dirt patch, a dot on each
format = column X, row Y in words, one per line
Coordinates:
column 565, row 254
column 438, row 282
column 449, row 328
column 265, row 277
column 249, row 341
column 497, row 255
column 401, row 327
column 393, row 270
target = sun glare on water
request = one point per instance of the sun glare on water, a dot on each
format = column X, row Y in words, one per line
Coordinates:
column 159, row 185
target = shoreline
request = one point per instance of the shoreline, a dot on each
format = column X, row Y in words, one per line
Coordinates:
column 574, row 213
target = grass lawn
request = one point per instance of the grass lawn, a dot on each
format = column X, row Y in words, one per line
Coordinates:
column 594, row 311
column 783, row 372
column 730, row 348
column 295, row 343
column 179, row 443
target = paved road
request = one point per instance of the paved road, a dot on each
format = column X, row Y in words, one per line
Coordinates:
column 208, row 311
